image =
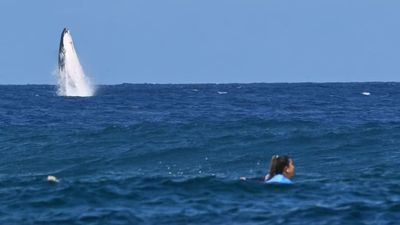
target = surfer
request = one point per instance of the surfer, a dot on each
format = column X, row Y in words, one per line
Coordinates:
column 281, row 169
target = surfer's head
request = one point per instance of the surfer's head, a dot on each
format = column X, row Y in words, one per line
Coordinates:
column 281, row 164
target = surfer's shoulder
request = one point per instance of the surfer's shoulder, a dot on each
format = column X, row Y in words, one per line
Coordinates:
column 278, row 179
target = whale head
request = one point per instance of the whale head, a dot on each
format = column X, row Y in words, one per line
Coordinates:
column 65, row 38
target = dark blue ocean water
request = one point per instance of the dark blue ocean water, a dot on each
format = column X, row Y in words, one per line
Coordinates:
column 172, row 154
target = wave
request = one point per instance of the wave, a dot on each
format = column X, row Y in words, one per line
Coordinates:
column 130, row 197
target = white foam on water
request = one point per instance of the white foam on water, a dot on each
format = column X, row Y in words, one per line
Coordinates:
column 366, row 93
column 72, row 80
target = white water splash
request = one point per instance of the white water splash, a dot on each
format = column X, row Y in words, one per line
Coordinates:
column 71, row 78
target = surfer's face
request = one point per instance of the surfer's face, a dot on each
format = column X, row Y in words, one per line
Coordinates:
column 289, row 170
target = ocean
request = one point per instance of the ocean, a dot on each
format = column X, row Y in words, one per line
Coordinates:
column 173, row 154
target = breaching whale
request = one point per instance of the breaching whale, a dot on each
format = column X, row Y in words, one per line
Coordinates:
column 71, row 78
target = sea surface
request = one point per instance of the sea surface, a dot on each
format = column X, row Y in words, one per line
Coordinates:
column 173, row 154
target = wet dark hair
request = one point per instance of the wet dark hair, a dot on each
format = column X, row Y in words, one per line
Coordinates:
column 277, row 165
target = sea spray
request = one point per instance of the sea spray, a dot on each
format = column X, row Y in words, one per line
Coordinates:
column 71, row 78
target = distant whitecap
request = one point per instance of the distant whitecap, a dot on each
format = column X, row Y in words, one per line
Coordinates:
column 222, row 92
column 366, row 93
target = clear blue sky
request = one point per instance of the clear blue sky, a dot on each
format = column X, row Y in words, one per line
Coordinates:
column 203, row 41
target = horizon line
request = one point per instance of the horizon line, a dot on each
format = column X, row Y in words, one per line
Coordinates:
column 205, row 83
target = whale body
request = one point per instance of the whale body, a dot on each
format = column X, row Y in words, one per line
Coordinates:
column 71, row 78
